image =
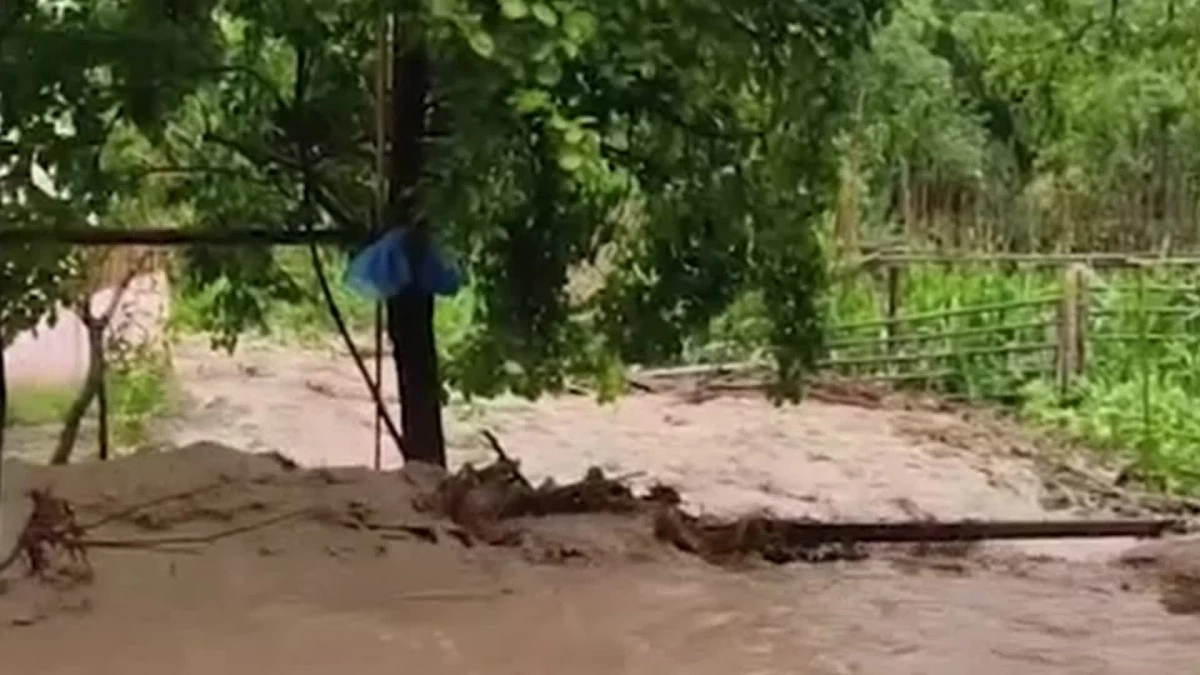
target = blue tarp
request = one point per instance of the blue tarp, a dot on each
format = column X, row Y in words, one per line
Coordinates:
column 382, row 270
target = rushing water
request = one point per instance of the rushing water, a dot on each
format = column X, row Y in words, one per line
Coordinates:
column 874, row 617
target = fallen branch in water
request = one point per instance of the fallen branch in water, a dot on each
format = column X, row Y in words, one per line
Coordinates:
column 157, row 501
column 50, row 528
column 212, row 537
column 480, row 500
column 787, row 540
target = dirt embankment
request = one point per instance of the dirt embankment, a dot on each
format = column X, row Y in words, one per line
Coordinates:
column 207, row 557
column 207, row 500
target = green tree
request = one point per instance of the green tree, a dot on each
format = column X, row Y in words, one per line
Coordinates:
column 71, row 76
column 678, row 152
column 1043, row 125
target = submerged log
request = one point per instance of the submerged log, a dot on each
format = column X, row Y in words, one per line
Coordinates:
column 967, row 530
column 783, row 540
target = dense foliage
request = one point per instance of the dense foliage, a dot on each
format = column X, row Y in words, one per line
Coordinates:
column 74, row 82
column 1058, row 125
column 689, row 143
column 674, row 154
column 623, row 182
column 1032, row 126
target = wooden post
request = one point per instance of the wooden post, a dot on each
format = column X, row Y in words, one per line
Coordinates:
column 410, row 315
column 382, row 109
column 893, row 305
column 1144, row 352
column 3, row 410
column 102, row 406
column 1083, row 298
column 1072, row 326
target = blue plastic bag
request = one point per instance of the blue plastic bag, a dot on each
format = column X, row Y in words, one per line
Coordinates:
column 381, row 270
column 439, row 276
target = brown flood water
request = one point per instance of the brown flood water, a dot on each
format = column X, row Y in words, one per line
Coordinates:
column 873, row 617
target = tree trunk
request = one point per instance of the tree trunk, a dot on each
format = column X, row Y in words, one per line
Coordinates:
column 410, row 327
column 3, row 411
column 410, row 315
column 102, row 403
column 91, row 386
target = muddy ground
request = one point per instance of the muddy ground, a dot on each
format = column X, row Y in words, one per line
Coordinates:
column 585, row 594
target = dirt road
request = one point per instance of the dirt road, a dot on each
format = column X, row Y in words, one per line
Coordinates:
column 304, row 599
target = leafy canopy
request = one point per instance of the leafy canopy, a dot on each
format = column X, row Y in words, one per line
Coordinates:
column 75, row 84
column 612, row 175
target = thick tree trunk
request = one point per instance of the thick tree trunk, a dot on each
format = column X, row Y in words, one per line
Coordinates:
column 91, row 386
column 410, row 315
column 410, row 327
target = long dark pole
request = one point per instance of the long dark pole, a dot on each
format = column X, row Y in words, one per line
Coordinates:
column 382, row 107
column 410, row 314
column 96, row 236
column 102, row 405
column 3, row 411
column 972, row 530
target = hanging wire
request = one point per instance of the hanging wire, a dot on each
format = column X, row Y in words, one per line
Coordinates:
column 381, row 412
column 335, row 313
column 381, row 107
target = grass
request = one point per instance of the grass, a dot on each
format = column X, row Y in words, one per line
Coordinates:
column 36, row 405
column 1135, row 400
column 1141, row 382
column 140, row 389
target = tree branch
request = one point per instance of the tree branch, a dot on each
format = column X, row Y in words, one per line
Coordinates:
column 114, row 302
column 260, row 157
column 321, row 192
column 101, row 321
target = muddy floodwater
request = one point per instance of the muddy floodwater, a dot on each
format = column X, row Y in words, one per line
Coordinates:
column 640, row 618
column 311, row 599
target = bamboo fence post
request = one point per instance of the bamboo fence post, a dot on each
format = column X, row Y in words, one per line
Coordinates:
column 1072, row 327
column 893, row 305
column 1084, row 301
column 1143, row 352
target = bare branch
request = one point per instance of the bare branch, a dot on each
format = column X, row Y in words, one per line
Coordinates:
column 119, row 290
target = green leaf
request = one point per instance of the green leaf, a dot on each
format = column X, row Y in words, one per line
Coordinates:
column 549, row 73
column 439, row 8
column 545, row 14
column 514, row 9
column 570, row 160
column 482, row 43
column 580, row 26
column 531, row 100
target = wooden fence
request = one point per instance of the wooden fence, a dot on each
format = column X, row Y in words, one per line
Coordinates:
column 1087, row 325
